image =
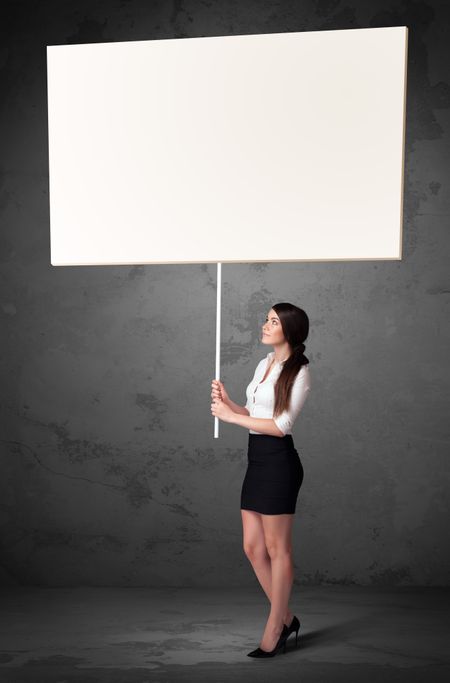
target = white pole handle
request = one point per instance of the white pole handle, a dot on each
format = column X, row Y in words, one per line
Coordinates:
column 217, row 375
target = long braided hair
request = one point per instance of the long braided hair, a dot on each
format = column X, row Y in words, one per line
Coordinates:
column 295, row 326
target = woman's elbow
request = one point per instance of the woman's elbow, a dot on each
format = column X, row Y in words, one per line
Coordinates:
column 278, row 430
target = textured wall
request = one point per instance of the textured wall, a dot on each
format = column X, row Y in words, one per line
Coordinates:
column 109, row 470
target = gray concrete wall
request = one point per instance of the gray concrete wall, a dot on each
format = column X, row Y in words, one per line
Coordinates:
column 109, row 470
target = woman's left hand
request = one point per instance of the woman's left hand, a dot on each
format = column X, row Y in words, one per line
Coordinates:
column 222, row 411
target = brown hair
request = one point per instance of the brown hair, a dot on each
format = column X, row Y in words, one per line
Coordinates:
column 295, row 326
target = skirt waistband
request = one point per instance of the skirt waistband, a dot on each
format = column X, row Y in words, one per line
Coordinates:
column 269, row 438
column 263, row 446
column 267, row 443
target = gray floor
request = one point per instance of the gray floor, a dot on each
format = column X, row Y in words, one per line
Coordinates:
column 348, row 633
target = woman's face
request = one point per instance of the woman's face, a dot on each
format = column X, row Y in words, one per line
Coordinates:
column 272, row 332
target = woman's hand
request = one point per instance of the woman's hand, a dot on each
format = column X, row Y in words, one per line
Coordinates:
column 222, row 411
column 218, row 391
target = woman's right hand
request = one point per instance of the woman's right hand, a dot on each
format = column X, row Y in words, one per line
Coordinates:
column 218, row 391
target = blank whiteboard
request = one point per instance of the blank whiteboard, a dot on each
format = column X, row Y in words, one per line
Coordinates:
column 273, row 147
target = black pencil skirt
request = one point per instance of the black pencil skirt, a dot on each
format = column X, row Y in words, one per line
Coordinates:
column 274, row 475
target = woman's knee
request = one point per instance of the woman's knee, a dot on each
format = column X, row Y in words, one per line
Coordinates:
column 277, row 549
column 255, row 551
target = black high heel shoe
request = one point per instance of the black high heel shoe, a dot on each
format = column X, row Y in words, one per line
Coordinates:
column 294, row 626
column 281, row 643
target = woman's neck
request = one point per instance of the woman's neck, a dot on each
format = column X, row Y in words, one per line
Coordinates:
column 282, row 353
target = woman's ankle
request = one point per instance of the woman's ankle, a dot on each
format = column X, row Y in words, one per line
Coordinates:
column 288, row 617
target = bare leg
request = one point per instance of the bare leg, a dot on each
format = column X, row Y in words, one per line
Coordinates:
column 256, row 551
column 277, row 533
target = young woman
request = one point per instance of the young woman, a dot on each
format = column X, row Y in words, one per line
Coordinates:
column 275, row 397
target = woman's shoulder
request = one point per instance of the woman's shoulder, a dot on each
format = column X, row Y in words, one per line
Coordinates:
column 261, row 364
column 304, row 376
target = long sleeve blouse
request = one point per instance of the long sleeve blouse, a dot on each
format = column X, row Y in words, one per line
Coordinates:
column 261, row 395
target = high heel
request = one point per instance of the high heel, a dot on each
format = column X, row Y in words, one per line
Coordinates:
column 281, row 643
column 294, row 626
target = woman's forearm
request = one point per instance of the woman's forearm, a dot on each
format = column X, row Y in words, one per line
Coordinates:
column 257, row 424
column 237, row 408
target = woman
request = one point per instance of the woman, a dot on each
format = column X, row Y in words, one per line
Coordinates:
column 275, row 397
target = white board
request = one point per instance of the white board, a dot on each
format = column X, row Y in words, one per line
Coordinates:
column 274, row 147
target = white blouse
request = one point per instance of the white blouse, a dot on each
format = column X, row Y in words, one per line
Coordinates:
column 261, row 395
